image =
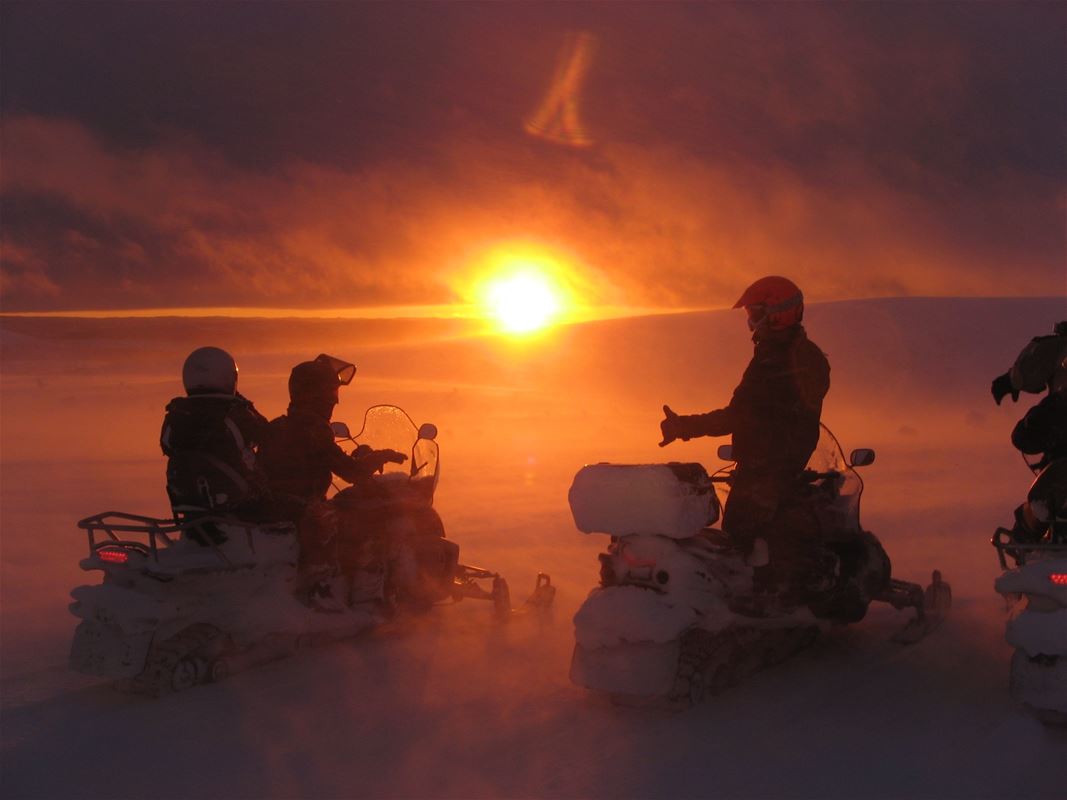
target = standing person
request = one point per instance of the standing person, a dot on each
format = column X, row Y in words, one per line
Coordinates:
column 210, row 437
column 773, row 417
column 299, row 458
column 1041, row 367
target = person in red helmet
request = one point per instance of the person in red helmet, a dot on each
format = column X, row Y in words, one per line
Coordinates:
column 773, row 418
column 299, row 458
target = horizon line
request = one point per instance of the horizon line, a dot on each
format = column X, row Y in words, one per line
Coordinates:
column 458, row 311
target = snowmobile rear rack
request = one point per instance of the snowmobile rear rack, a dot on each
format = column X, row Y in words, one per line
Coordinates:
column 1007, row 546
column 161, row 533
column 113, row 522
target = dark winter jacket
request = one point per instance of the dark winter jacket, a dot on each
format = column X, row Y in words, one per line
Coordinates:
column 299, row 457
column 774, row 413
column 1044, row 429
column 210, row 443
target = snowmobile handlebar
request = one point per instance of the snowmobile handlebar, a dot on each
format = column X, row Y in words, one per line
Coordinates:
column 811, row 475
column 807, row 476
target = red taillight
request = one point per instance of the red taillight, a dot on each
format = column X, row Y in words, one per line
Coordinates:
column 113, row 556
column 1058, row 578
column 634, row 561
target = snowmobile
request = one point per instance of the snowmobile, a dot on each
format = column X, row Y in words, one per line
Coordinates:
column 678, row 616
column 195, row 598
column 1036, row 591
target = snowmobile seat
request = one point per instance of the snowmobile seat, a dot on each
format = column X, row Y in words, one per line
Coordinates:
column 239, row 545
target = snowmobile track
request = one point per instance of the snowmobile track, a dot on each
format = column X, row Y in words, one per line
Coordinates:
column 179, row 663
column 709, row 663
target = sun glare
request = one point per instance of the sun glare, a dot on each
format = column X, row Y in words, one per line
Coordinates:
column 522, row 288
column 522, row 301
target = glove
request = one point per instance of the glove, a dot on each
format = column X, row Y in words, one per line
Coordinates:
column 670, row 427
column 379, row 458
column 1002, row 386
column 391, row 456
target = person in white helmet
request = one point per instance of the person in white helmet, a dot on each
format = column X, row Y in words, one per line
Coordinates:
column 210, row 437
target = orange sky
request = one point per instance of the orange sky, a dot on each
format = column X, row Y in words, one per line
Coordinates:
column 872, row 152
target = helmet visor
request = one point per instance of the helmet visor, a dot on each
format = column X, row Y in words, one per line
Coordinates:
column 345, row 371
column 756, row 315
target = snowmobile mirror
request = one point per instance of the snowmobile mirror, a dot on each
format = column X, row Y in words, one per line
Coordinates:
column 340, row 430
column 863, row 457
column 428, row 431
column 725, row 452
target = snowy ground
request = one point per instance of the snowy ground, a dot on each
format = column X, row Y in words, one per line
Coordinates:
column 455, row 706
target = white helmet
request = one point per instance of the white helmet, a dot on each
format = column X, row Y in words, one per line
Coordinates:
column 209, row 370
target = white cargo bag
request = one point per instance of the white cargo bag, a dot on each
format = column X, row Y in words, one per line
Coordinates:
column 675, row 500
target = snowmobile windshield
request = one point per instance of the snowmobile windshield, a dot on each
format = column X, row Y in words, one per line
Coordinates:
column 828, row 454
column 847, row 486
column 390, row 428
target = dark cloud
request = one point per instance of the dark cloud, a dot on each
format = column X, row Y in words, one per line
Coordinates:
column 338, row 154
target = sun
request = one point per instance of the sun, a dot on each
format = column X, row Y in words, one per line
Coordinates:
column 522, row 288
column 522, row 301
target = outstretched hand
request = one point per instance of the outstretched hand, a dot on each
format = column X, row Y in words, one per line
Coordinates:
column 669, row 426
column 383, row 457
column 1002, row 387
column 392, row 456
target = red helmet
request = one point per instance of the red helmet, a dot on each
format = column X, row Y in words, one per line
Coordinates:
column 773, row 301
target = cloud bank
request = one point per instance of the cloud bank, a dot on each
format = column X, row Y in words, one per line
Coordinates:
column 346, row 156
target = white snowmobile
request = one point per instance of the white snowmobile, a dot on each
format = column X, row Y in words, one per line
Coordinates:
column 673, row 619
column 186, row 601
column 1036, row 590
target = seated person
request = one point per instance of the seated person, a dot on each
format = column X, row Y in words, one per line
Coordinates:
column 299, row 458
column 209, row 437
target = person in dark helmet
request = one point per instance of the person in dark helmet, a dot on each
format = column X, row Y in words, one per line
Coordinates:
column 210, row 438
column 773, row 418
column 1040, row 367
column 299, row 458
column 1035, row 367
